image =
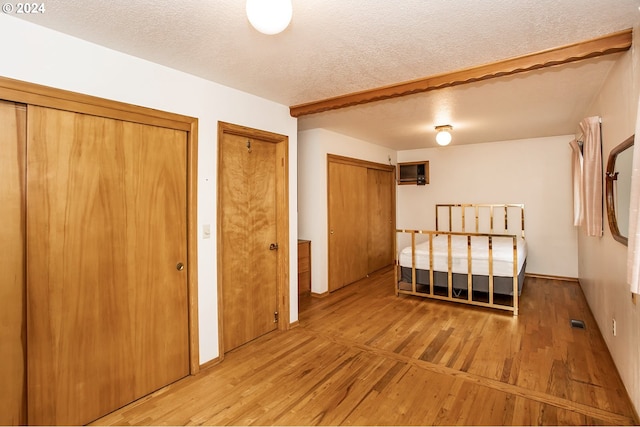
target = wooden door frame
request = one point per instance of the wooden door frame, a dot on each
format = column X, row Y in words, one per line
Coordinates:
column 282, row 221
column 44, row 96
column 334, row 158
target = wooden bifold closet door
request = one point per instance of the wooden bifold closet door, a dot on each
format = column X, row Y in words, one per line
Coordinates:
column 380, row 211
column 105, row 228
column 348, row 224
column 361, row 218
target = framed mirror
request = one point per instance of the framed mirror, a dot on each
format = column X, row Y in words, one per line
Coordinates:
column 618, row 189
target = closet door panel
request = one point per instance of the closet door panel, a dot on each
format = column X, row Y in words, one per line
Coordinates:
column 12, row 264
column 106, row 229
column 380, row 207
column 348, row 260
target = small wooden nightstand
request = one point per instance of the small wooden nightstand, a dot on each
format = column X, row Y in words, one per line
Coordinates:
column 304, row 267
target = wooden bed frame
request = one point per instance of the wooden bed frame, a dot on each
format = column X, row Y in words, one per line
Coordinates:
column 456, row 222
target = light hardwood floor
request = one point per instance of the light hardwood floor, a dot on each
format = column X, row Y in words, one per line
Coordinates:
column 363, row 356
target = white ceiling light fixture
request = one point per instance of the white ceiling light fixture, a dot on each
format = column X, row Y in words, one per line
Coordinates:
column 443, row 137
column 269, row 16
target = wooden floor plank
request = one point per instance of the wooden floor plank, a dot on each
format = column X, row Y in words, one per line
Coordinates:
column 364, row 356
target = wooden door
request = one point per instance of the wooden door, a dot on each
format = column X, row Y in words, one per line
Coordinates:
column 380, row 208
column 348, row 260
column 248, row 219
column 107, row 314
column 12, row 264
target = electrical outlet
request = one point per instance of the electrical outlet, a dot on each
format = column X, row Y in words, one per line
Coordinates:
column 614, row 327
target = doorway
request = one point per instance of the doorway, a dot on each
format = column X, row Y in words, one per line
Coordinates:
column 253, row 224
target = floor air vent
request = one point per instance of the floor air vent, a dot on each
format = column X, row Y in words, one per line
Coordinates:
column 578, row 324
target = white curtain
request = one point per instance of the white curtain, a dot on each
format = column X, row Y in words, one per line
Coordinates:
column 633, row 250
column 592, row 176
column 578, row 193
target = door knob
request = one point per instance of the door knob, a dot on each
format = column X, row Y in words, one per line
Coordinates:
column 180, row 266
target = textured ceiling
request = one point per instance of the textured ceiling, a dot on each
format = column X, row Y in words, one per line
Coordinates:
column 334, row 47
column 536, row 104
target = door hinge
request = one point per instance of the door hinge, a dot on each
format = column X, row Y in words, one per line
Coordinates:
column 275, row 317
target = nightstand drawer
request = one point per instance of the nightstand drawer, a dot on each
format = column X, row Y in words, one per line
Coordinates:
column 304, row 266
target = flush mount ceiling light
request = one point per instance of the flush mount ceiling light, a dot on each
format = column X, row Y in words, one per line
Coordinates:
column 443, row 137
column 269, row 16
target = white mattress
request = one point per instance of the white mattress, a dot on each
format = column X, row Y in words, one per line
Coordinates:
column 502, row 255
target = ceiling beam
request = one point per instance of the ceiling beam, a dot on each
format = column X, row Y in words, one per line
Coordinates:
column 612, row 43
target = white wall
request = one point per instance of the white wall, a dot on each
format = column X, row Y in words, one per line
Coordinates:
column 602, row 267
column 314, row 145
column 536, row 172
column 38, row 55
